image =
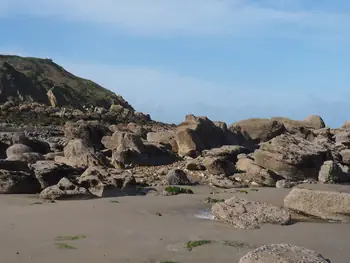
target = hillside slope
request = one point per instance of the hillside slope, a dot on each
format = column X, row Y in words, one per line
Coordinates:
column 42, row 81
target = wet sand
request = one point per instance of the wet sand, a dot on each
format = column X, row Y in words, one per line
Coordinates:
column 131, row 230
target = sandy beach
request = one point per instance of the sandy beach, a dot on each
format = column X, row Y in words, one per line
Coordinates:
column 140, row 229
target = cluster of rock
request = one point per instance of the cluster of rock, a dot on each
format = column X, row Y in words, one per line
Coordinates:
column 259, row 152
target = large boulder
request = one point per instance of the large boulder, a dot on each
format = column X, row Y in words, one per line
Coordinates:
column 30, row 157
column 292, row 157
column 106, row 182
column 282, row 253
column 244, row 214
column 330, row 202
column 345, row 154
column 35, row 144
column 50, row 173
column 18, row 182
column 177, row 177
column 17, row 149
column 163, row 137
column 79, row 155
column 65, row 189
column 256, row 174
column 218, row 166
column 228, row 152
column 260, row 130
column 91, row 133
column 331, row 173
column 196, row 134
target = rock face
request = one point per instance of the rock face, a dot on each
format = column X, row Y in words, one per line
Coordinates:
column 177, row 177
column 105, row 182
column 331, row 173
column 196, row 134
column 65, row 189
column 50, row 173
column 18, row 182
column 260, row 130
column 244, row 214
column 292, row 157
column 330, row 202
column 283, row 253
column 77, row 154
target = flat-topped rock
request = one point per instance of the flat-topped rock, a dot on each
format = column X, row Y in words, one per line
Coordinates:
column 330, row 202
column 283, row 253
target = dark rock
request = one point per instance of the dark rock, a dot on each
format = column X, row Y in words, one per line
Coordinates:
column 18, row 182
column 177, row 177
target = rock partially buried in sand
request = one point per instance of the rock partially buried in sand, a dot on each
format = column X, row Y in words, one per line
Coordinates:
column 330, row 202
column 244, row 214
column 177, row 177
column 283, row 253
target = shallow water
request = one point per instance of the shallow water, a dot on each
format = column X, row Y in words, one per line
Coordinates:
column 204, row 214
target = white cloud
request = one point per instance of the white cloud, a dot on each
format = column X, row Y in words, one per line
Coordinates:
column 183, row 17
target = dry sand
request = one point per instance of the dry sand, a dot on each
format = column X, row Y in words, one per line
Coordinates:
column 131, row 230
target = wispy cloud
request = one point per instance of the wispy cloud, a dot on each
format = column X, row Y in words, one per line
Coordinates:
column 184, row 17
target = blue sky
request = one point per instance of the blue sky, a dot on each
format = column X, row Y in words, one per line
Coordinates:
column 226, row 59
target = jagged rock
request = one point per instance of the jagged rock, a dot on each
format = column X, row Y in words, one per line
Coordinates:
column 18, row 182
column 17, row 149
column 196, row 134
column 177, row 177
column 331, row 172
column 35, row 144
column 257, row 174
column 137, row 129
column 105, row 182
column 282, row 253
column 228, row 152
column 292, row 157
column 260, row 130
column 91, row 133
column 50, row 173
column 330, row 202
column 30, row 157
column 286, row 184
column 217, row 166
column 345, row 154
column 77, row 154
column 244, row 214
column 65, row 189
column 195, row 166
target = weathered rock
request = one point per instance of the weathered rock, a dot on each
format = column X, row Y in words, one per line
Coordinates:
column 91, row 133
column 292, row 157
column 331, row 172
column 79, row 155
column 196, row 134
column 260, row 130
column 330, row 202
column 228, row 152
column 105, row 182
column 35, row 144
column 18, row 182
column 257, row 174
column 345, row 154
column 163, row 137
column 65, row 189
column 195, row 166
column 286, row 184
column 217, row 166
column 342, row 137
column 50, row 173
column 225, row 182
column 51, row 156
column 177, row 177
column 244, row 214
column 18, row 149
column 26, row 157
column 282, row 253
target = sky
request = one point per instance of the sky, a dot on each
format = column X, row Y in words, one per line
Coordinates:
column 225, row 59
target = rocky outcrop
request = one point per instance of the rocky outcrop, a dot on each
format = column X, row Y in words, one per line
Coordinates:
column 292, row 157
column 260, row 130
column 50, row 173
column 106, row 182
column 331, row 173
column 283, row 253
column 65, row 189
column 177, row 177
column 244, row 214
column 330, row 202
